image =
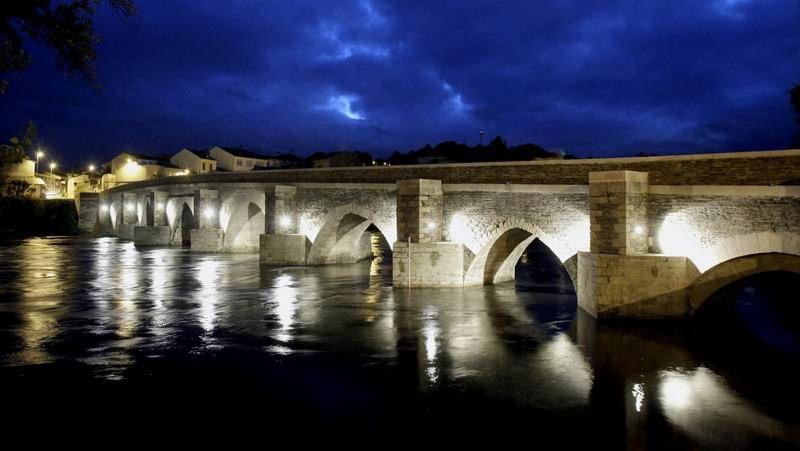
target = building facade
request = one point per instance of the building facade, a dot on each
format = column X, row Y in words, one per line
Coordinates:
column 343, row 159
column 195, row 161
column 232, row 159
column 130, row 167
column 24, row 172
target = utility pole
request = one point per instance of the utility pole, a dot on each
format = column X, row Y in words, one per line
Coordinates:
column 481, row 138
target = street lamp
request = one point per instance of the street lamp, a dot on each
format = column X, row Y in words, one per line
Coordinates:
column 39, row 154
column 91, row 168
column 52, row 166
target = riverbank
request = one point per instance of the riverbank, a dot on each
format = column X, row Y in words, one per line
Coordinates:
column 27, row 217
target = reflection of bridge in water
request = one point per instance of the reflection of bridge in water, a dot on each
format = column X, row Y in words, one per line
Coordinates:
column 125, row 311
column 640, row 237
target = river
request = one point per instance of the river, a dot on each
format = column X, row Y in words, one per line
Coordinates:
column 82, row 320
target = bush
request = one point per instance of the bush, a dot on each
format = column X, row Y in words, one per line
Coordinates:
column 35, row 217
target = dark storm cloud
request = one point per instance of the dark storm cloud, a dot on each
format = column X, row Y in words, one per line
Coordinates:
column 593, row 78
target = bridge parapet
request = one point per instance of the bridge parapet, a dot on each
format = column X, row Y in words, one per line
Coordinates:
column 632, row 243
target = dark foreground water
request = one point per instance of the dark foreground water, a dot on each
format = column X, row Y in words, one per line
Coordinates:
column 96, row 330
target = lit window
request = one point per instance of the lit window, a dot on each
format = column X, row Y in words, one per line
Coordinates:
column 239, row 163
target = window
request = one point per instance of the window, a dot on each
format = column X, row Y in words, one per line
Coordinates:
column 204, row 166
column 250, row 163
column 239, row 162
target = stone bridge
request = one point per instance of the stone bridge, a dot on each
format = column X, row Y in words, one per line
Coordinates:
column 640, row 237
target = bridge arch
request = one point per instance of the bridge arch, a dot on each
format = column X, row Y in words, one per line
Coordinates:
column 341, row 237
column 735, row 269
column 180, row 218
column 742, row 245
column 243, row 222
column 144, row 211
column 496, row 260
column 242, row 219
column 187, row 224
column 114, row 212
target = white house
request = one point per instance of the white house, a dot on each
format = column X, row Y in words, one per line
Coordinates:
column 132, row 167
column 196, row 161
column 231, row 159
column 24, row 172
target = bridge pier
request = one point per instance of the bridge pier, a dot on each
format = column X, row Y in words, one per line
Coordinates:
column 420, row 257
column 618, row 277
column 88, row 212
column 281, row 244
column 129, row 216
column 157, row 231
column 104, row 223
column 206, row 235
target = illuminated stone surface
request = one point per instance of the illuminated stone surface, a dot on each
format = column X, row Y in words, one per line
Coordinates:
column 645, row 233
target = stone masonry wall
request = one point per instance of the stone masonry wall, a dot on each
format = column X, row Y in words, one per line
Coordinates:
column 475, row 217
column 314, row 204
column 682, row 221
column 88, row 208
column 748, row 168
column 618, row 203
column 633, row 285
column 419, row 210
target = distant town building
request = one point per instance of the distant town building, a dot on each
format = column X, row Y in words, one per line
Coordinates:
column 133, row 167
column 234, row 159
column 24, row 172
column 107, row 181
column 196, row 161
column 80, row 183
column 341, row 159
column 53, row 185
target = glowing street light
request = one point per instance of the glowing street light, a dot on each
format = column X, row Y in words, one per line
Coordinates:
column 91, row 168
column 39, row 154
column 103, row 208
column 638, row 230
column 52, row 166
column 285, row 221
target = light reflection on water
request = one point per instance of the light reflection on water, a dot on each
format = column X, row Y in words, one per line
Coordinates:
column 115, row 310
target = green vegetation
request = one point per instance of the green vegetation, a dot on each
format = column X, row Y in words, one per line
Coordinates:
column 17, row 147
column 23, row 217
column 64, row 26
column 454, row 152
column 794, row 99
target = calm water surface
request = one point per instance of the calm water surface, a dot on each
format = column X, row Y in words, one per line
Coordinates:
column 83, row 321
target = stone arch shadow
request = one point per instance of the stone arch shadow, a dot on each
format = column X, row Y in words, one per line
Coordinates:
column 244, row 226
column 144, row 211
column 496, row 260
column 115, row 216
column 342, row 239
column 741, row 256
column 181, row 220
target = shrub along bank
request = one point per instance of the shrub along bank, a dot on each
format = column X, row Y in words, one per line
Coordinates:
column 22, row 217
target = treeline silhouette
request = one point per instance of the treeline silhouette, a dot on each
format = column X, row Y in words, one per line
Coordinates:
column 455, row 152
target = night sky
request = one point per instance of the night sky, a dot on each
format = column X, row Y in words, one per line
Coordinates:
column 595, row 78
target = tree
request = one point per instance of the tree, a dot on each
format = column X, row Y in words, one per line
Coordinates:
column 18, row 146
column 15, row 189
column 794, row 98
column 66, row 27
column 498, row 145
